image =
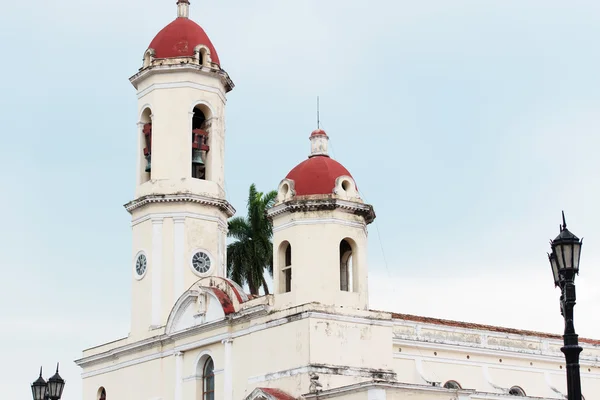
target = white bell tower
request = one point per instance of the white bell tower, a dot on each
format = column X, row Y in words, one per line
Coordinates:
column 320, row 235
column 179, row 213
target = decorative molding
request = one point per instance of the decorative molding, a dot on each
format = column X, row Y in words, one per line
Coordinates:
column 305, row 205
column 543, row 353
column 512, row 353
column 178, row 215
column 224, row 78
column 222, row 205
column 321, row 221
column 325, row 370
column 371, row 385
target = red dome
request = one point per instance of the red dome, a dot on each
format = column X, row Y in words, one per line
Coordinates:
column 179, row 38
column 316, row 175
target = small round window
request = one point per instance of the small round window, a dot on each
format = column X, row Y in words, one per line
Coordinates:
column 141, row 264
column 201, row 262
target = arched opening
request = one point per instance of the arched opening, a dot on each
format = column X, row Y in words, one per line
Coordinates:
column 200, row 138
column 452, row 385
column 346, row 185
column 285, row 264
column 148, row 56
column 146, row 146
column 202, row 57
column 208, row 380
column 347, row 267
column 101, row 394
column 516, row 391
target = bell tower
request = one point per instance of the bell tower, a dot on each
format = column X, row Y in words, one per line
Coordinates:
column 179, row 212
column 320, row 234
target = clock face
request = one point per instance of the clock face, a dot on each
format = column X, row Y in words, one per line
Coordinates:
column 201, row 262
column 140, row 265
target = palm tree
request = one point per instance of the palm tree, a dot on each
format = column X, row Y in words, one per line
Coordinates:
column 252, row 251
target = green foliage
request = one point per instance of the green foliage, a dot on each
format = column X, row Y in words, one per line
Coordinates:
column 252, row 252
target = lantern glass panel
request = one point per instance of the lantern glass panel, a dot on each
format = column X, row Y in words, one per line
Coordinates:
column 554, row 266
column 558, row 254
column 38, row 391
column 576, row 255
column 568, row 254
column 55, row 388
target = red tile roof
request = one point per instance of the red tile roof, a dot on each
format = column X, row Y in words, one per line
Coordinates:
column 224, row 300
column 278, row 394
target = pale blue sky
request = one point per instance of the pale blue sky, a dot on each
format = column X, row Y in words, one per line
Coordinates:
column 468, row 125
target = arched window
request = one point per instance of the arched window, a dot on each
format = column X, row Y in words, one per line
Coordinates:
column 516, row 391
column 452, row 385
column 346, row 267
column 146, row 146
column 285, row 262
column 208, row 380
column 199, row 143
column 101, row 394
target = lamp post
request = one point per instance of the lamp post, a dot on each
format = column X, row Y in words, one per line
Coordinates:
column 564, row 260
column 51, row 390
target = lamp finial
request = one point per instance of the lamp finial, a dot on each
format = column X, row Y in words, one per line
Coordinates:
column 564, row 225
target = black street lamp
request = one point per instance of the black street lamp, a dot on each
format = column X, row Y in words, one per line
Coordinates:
column 564, row 260
column 51, row 390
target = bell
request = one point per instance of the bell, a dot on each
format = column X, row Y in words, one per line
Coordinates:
column 197, row 157
column 148, row 163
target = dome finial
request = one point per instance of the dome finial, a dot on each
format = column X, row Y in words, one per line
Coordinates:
column 183, row 8
column 318, row 143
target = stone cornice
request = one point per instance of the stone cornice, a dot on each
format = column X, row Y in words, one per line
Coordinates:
column 223, row 205
column 304, row 205
column 184, row 66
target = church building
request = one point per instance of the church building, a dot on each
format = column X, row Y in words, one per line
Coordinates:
column 195, row 334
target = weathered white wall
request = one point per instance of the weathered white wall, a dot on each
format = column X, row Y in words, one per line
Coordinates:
column 315, row 238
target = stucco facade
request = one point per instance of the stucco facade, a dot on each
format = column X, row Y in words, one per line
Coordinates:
column 196, row 335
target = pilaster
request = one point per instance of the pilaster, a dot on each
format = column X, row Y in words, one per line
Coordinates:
column 157, row 253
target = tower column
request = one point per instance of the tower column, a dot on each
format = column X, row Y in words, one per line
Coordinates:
column 228, row 369
column 157, row 252
column 178, row 375
column 178, row 256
